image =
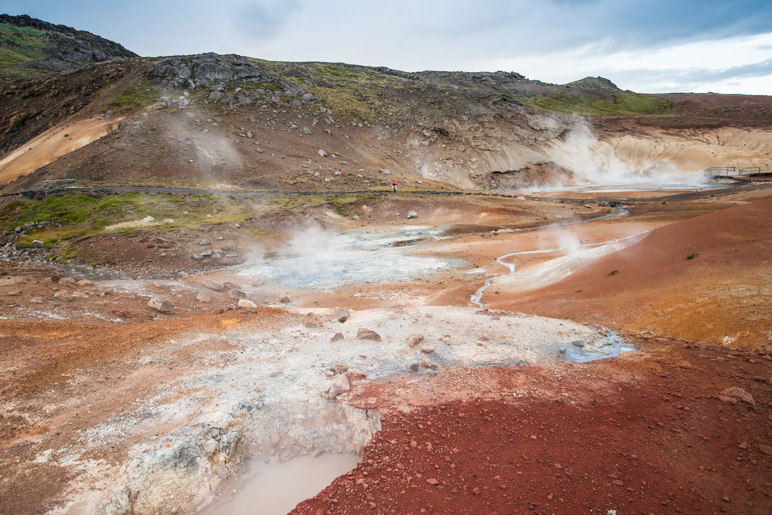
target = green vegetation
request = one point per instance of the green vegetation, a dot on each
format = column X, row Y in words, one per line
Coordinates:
column 624, row 103
column 19, row 45
column 137, row 95
column 691, row 256
column 77, row 217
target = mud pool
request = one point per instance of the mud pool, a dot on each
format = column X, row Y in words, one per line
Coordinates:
column 324, row 261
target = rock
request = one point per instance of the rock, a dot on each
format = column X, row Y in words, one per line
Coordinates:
column 215, row 255
column 66, row 280
column 735, row 394
column 64, row 296
column 412, row 214
column 210, row 446
column 237, row 294
column 322, row 153
column 367, row 334
column 427, row 350
column 578, row 343
column 212, row 285
column 313, row 320
column 14, row 293
column 338, row 368
column 245, row 303
column 85, row 282
column 307, row 131
column 203, row 297
column 415, row 366
column 336, row 337
column 339, row 385
column 161, row 304
column 148, row 219
column 340, row 314
column 428, row 364
column 284, row 298
column 432, row 481
column 204, row 243
column 414, row 339
column 765, row 449
column 38, row 243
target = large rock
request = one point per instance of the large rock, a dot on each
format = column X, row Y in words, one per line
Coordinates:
column 367, row 334
column 414, row 339
column 735, row 394
column 237, row 294
column 313, row 320
column 245, row 303
column 340, row 314
column 161, row 304
column 339, row 385
column 212, row 285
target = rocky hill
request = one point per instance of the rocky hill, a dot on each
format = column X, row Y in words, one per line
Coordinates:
column 247, row 123
column 29, row 46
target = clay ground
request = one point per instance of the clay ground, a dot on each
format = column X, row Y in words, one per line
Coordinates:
column 646, row 432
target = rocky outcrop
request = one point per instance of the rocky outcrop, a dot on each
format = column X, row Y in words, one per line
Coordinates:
column 205, row 70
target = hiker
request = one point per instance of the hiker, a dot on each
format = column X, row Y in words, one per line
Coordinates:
column 394, row 185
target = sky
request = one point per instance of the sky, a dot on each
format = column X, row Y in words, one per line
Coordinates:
column 647, row 46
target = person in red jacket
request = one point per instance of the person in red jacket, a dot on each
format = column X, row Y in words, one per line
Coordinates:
column 394, row 185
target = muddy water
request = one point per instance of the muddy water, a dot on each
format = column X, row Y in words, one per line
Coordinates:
column 276, row 488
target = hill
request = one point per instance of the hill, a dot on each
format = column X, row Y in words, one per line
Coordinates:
column 29, row 47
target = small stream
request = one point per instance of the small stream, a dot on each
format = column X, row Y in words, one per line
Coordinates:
column 476, row 298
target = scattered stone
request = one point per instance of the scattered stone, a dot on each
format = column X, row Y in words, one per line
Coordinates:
column 734, row 394
column 197, row 257
column 428, row 364
column 38, row 243
column 427, row 350
column 339, row 367
column 148, row 219
column 284, row 299
column 432, row 481
column 210, row 446
column 237, row 294
column 414, row 339
column 765, row 449
column 246, row 303
column 64, row 296
column 313, row 320
column 161, row 304
column 203, row 297
column 14, row 293
column 339, row 386
column 307, row 131
column 204, row 243
column 340, row 314
column 414, row 367
column 322, row 153
column 66, row 280
column 336, row 337
column 215, row 255
column 412, row 214
column 36, row 300
column 578, row 343
column 212, row 285
column 367, row 334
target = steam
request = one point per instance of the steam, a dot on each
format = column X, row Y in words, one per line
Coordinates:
column 598, row 163
column 324, row 260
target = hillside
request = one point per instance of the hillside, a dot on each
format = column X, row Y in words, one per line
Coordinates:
column 29, row 47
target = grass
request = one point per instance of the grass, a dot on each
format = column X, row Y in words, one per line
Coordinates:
column 136, row 96
column 27, row 45
column 625, row 103
column 78, row 217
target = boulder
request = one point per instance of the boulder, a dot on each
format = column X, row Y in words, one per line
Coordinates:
column 161, row 304
column 339, row 385
column 204, row 297
column 237, row 294
column 367, row 334
column 340, row 314
column 64, row 296
column 338, row 368
column 414, row 339
column 735, row 394
column 212, row 285
column 245, row 303
column 412, row 214
column 322, row 153
column 38, row 243
column 313, row 320
column 204, row 243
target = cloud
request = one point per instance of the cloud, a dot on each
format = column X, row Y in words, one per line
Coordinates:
column 266, row 18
